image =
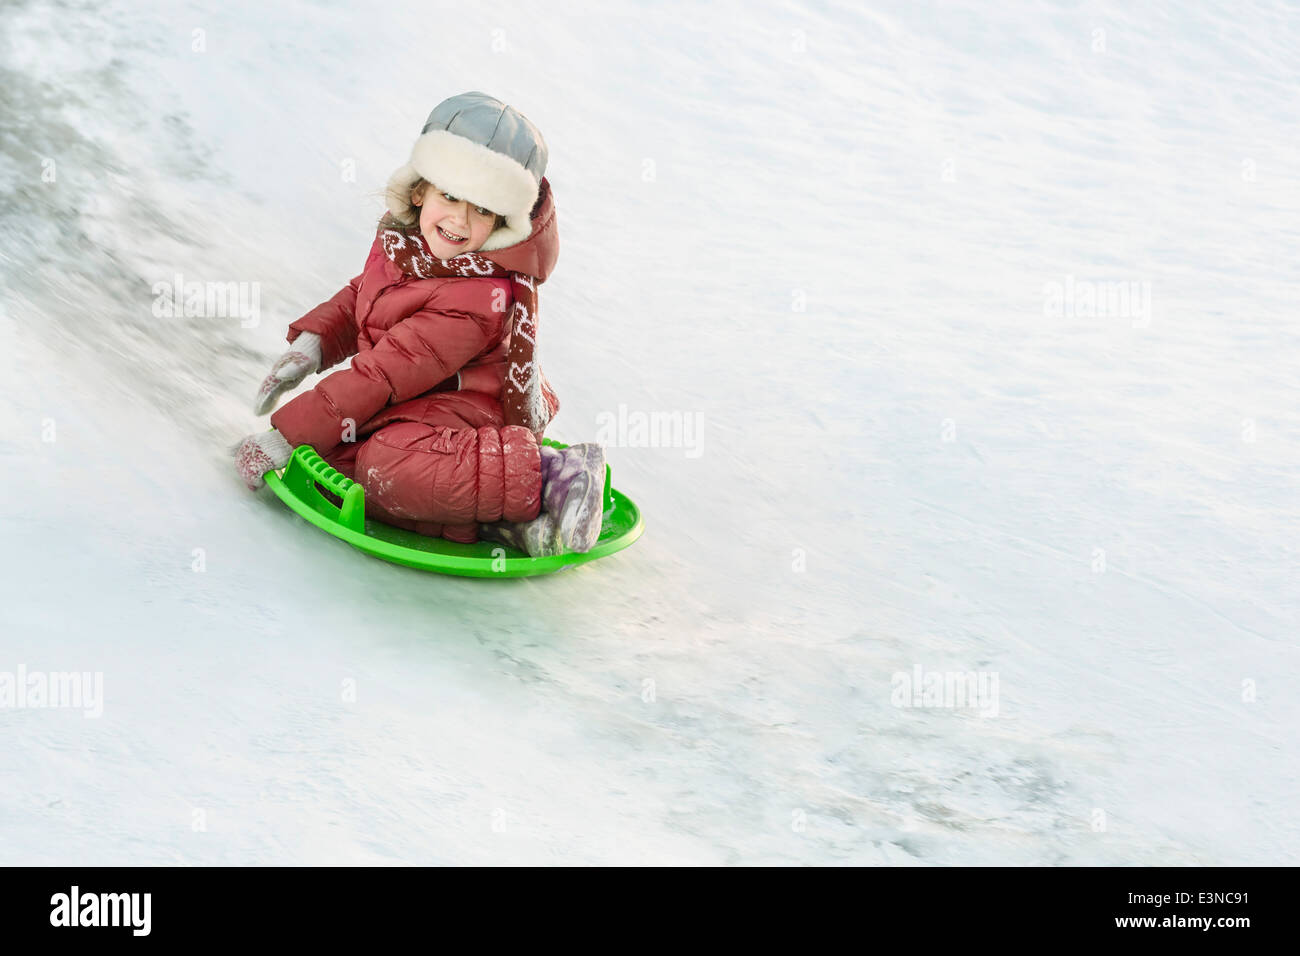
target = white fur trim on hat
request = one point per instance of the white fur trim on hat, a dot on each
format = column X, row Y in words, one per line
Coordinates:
column 469, row 171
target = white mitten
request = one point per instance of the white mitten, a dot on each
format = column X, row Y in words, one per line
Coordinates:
column 258, row 454
column 290, row 369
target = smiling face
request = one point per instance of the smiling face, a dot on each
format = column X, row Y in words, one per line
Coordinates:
column 451, row 225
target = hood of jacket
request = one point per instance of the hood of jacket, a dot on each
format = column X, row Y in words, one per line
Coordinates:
column 536, row 255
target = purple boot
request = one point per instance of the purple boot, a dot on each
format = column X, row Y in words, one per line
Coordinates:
column 573, row 487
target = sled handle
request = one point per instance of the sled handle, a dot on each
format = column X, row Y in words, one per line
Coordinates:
column 306, row 469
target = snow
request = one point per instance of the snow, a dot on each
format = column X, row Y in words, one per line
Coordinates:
column 858, row 245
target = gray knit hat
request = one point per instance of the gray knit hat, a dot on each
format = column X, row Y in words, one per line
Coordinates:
column 477, row 148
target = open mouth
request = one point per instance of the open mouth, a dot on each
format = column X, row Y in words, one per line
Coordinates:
column 450, row 236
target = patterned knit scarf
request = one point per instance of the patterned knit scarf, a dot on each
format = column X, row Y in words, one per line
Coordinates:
column 527, row 398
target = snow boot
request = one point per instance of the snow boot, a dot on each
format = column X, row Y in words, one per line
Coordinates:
column 573, row 488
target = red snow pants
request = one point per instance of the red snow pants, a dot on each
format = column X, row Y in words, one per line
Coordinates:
column 442, row 463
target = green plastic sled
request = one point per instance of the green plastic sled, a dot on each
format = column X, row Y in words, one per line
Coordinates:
column 299, row 485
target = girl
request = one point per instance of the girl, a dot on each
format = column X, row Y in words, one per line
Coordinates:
column 441, row 412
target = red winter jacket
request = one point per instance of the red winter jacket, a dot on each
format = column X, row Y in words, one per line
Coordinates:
column 425, row 351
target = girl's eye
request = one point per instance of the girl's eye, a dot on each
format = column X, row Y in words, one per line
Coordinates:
column 478, row 209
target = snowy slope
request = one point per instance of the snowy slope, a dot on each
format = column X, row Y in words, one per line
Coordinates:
column 840, row 237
